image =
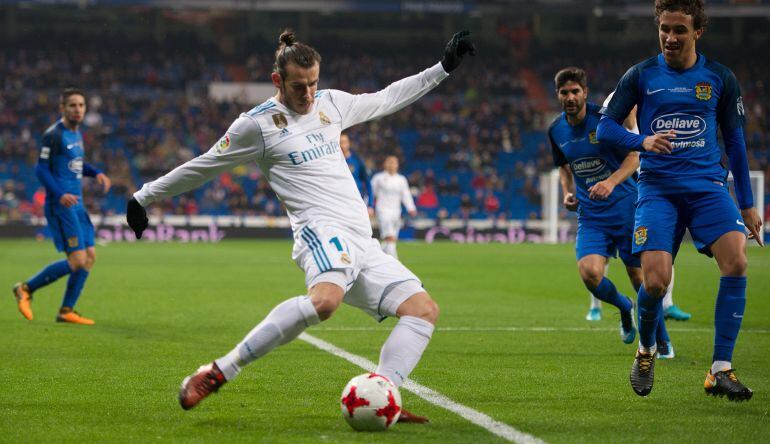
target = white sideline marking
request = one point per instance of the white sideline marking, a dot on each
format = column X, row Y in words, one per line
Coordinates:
column 536, row 329
column 496, row 427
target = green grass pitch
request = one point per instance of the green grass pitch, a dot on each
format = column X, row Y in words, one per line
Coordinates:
column 164, row 309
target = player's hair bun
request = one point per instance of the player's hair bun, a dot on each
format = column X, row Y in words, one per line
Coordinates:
column 287, row 38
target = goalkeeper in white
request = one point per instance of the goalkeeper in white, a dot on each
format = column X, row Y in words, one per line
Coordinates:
column 294, row 139
column 391, row 190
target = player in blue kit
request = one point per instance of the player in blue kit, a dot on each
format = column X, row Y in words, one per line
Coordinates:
column 60, row 169
column 360, row 172
column 681, row 98
column 604, row 178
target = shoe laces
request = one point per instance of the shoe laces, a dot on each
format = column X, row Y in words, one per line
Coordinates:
column 645, row 362
column 210, row 383
column 731, row 375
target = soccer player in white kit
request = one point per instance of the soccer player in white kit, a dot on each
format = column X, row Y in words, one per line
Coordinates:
column 391, row 190
column 294, row 139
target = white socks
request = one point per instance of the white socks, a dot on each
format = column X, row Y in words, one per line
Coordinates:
column 668, row 299
column 718, row 366
column 403, row 348
column 284, row 323
column 389, row 248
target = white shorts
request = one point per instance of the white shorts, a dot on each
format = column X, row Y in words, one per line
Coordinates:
column 390, row 224
column 373, row 281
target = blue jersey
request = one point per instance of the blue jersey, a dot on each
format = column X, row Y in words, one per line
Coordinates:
column 361, row 176
column 692, row 103
column 591, row 162
column 61, row 154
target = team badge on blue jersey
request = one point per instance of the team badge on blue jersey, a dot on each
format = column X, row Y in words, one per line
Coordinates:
column 280, row 120
column 592, row 138
column 72, row 241
column 703, row 91
column 324, row 120
column 640, row 236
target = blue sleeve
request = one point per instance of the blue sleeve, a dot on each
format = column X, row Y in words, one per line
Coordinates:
column 626, row 96
column 730, row 112
column 90, row 170
column 43, row 169
column 558, row 155
column 613, row 133
column 735, row 146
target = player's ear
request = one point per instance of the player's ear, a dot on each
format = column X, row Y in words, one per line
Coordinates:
column 276, row 78
column 698, row 33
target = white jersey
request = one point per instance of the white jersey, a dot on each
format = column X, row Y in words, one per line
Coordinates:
column 390, row 191
column 299, row 154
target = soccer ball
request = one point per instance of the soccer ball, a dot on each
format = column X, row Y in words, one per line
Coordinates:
column 370, row 402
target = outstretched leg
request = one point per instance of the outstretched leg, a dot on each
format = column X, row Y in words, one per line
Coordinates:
column 282, row 325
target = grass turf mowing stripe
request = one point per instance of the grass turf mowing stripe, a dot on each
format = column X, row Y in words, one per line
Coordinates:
column 496, row 427
column 537, row 329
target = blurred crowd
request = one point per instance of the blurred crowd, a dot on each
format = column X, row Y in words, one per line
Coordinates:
column 473, row 148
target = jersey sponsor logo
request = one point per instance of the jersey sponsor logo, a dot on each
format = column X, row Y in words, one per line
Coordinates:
column 739, row 106
column 280, row 120
column 76, row 166
column 703, row 91
column 45, row 152
column 321, row 148
column 686, row 126
column 587, row 166
column 592, row 138
column 640, row 236
column 323, row 118
column 655, row 91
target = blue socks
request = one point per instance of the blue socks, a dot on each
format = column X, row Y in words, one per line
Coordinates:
column 650, row 311
column 728, row 314
column 661, row 334
column 49, row 274
column 607, row 292
column 74, row 287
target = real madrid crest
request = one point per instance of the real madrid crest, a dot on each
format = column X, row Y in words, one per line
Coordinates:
column 280, row 120
column 703, row 91
column 325, row 120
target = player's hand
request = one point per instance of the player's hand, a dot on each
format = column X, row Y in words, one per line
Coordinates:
column 136, row 217
column 570, row 202
column 460, row 45
column 754, row 224
column 68, row 200
column 413, row 213
column 370, row 210
column 659, row 143
column 601, row 190
column 104, row 181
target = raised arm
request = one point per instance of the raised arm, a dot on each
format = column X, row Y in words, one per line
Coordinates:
column 359, row 108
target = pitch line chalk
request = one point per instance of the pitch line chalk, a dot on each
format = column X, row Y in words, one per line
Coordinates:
column 482, row 420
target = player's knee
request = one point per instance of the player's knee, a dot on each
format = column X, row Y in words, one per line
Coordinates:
column 656, row 286
column 421, row 306
column 735, row 266
column 325, row 306
column 77, row 261
column 591, row 275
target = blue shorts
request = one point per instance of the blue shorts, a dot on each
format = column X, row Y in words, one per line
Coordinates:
column 606, row 241
column 661, row 220
column 71, row 228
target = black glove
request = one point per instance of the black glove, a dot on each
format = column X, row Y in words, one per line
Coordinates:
column 136, row 217
column 460, row 45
